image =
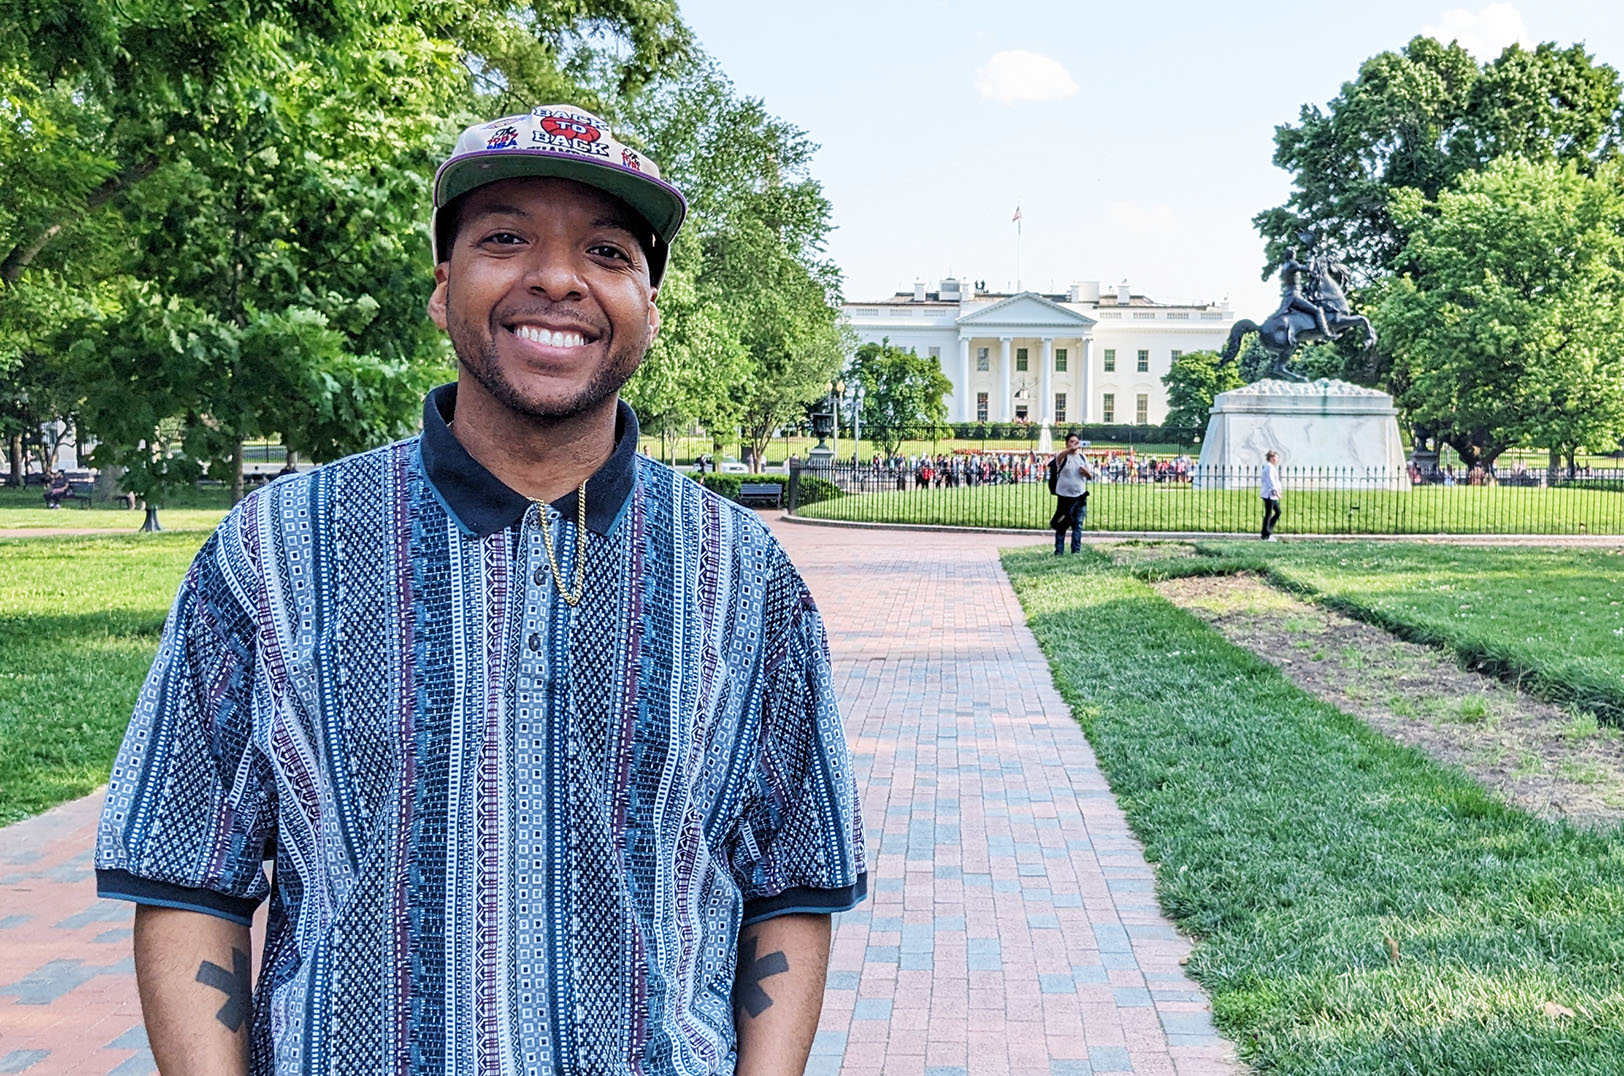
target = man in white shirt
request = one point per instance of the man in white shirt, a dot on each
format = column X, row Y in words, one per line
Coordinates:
column 1069, row 472
column 1270, row 490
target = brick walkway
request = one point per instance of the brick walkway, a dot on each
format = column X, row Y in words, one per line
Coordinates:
column 1012, row 928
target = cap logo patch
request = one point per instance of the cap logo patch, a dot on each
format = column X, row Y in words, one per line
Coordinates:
column 629, row 159
column 506, row 138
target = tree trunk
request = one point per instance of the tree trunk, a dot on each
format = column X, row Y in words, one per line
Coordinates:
column 236, row 472
column 1553, row 466
column 18, row 258
column 151, row 523
column 16, row 453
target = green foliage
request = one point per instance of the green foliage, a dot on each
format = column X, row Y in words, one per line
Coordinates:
column 1422, row 117
column 811, row 489
column 759, row 222
column 903, row 394
column 1290, row 840
column 1192, row 383
column 1508, row 330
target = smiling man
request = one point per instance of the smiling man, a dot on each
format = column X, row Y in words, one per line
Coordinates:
column 537, row 736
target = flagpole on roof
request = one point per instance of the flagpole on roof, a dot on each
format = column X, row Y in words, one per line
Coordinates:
column 1017, row 219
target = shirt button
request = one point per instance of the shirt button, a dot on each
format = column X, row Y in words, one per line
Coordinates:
column 534, row 642
column 540, row 578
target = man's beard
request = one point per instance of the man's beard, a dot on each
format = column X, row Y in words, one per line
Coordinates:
column 479, row 358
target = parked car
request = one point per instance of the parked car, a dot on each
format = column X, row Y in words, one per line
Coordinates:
column 731, row 465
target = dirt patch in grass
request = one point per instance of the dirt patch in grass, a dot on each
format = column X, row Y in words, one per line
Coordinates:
column 1548, row 760
column 1135, row 554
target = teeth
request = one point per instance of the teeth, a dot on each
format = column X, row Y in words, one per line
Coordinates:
column 548, row 338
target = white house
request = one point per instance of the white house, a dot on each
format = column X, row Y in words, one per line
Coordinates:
column 1081, row 356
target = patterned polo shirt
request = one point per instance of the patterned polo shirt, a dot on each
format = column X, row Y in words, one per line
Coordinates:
column 506, row 835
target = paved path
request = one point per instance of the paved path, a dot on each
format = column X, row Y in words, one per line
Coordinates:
column 1012, row 930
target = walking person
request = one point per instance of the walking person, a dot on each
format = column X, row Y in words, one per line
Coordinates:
column 1269, row 488
column 461, row 691
column 1069, row 472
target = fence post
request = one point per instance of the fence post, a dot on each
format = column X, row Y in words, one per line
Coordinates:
column 794, row 484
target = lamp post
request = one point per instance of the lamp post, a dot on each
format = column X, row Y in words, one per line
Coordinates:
column 857, row 420
column 836, row 388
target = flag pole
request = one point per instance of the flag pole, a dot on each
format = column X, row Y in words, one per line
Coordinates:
column 1017, row 219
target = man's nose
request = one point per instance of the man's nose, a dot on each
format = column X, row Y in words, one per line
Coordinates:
column 554, row 273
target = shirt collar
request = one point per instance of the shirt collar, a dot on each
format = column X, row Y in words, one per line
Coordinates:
column 482, row 504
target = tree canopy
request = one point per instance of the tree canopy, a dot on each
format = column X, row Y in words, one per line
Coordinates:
column 903, row 394
column 1509, row 329
column 1193, row 382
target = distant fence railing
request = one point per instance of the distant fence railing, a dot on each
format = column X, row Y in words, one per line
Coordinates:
column 1010, row 491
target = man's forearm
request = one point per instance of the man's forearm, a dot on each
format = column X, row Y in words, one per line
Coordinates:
column 193, row 973
column 778, row 993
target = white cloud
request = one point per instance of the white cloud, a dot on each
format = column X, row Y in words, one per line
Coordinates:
column 1134, row 219
column 1484, row 33
column 1023, row 76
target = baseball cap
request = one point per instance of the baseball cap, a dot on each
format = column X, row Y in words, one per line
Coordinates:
column 569, row 143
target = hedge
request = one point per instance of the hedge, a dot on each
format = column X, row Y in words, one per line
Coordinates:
column 812, row 489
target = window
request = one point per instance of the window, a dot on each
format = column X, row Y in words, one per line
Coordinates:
column 1178, row 315
column 901, row 312
column 1141, row 410
column 1020, row 412
column 1060, row 407
column 1212, row 315
column 1108, row 407
column 982, row 363
column 1144, row 361
column 981, row 404
column 1144, row 315
column 936, row 353
column 1110, row 313
column 1059, row 360
column 864, row 313
column 1110, row 360
column 1020, row 358
column 1176, row 355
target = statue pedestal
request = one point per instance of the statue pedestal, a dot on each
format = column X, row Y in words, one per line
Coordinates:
column 1330, row 435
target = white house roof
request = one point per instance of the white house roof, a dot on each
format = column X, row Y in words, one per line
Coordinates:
column 1025, row 311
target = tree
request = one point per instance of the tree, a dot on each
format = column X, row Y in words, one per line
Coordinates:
column 1509, row 330
column 903, row 394
column 1420, row 118
column 1193, row 383
column 760, row 222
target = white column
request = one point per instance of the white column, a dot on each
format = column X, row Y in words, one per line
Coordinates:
column 1085, row 412
column 1046, row 405
column 1006, row 365
column 966, row 400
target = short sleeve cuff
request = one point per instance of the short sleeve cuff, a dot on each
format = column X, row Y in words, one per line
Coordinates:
column 122, row 885
column 806, row 900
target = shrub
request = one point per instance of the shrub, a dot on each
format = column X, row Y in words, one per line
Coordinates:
column 812, row 489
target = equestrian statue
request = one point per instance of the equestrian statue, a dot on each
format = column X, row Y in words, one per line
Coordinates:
column 1313, row 307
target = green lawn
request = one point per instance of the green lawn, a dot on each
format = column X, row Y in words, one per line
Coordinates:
column 79, row 624
column 1551, row 619
column 1174, row 507
column 1292, row 842
column 25, row 508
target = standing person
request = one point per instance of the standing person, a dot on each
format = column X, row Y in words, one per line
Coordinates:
column 1269, row 488
column 541, row 738
column 1069, row 472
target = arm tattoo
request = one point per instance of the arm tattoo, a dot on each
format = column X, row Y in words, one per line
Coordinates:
column 751, row 971
column 235, row 984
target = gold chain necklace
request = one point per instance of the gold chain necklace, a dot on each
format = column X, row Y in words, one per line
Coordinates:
column 580, row 548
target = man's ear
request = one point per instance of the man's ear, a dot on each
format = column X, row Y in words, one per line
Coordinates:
column 437, row 313
column 653, row 315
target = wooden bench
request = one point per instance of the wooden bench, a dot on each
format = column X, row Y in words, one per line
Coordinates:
column 769, row 494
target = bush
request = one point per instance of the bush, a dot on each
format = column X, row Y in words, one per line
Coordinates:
column 812, row 489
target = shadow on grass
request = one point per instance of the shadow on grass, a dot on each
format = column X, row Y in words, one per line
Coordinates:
column 1294, row 841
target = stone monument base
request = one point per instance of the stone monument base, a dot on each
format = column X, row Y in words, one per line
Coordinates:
column 1329, row 434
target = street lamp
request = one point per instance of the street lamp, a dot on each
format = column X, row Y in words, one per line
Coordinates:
column 836, row 388
column 857, row 420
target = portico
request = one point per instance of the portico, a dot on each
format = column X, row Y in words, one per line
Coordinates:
column 1024, row 358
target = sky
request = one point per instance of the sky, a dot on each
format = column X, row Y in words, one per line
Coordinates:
column 1137, row 138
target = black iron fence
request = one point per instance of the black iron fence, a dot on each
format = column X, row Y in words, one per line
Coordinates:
column 1009, row 489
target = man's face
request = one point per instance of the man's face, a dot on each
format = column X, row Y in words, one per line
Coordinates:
column 545, row 293
column 1071, row 444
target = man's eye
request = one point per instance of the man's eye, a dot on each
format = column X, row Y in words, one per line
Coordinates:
column 504, row 238
column 608, row 250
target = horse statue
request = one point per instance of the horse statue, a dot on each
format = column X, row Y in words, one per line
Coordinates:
column 1319, row 311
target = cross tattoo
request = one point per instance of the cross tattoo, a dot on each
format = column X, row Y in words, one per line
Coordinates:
column 235, row 984
column 751, row 971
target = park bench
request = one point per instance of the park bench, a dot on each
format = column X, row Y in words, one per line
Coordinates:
column 769, row 494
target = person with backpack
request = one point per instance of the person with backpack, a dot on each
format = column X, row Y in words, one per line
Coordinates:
column 1069, row 472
